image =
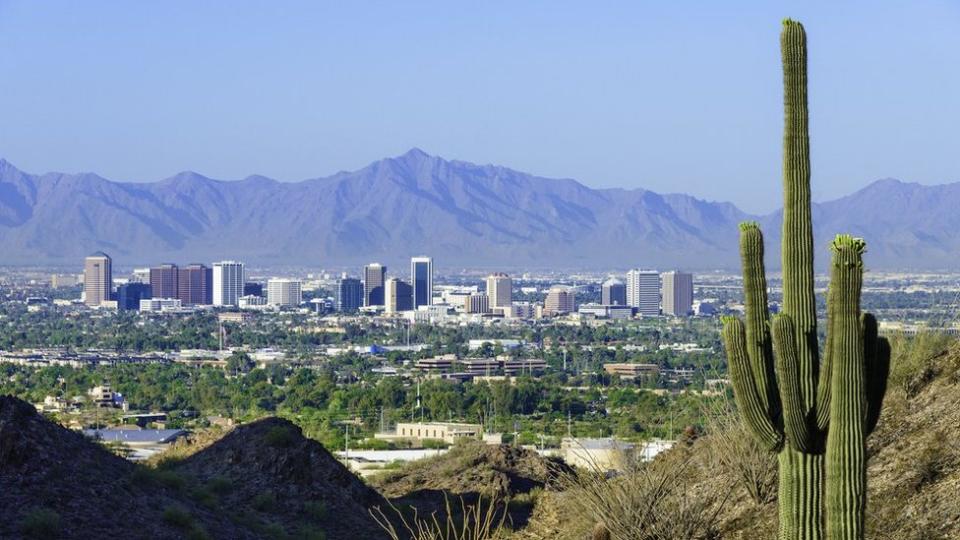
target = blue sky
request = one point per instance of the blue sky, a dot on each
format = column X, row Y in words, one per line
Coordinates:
column 670, row 96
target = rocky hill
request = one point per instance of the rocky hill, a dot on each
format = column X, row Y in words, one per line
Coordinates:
column 458, row 212
column 279, row 478
column 262, row 480
column 58, row 484
column 471, row 470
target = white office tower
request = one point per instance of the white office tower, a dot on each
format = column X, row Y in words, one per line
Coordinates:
column 643, row 292
column 421, row 278
column 500, row 291
column 677, row 293
column 283, row 292
column 228, row 279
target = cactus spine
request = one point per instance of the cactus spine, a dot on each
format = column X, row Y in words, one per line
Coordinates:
column 788, row 399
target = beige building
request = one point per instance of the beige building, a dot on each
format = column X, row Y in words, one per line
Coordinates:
column 677, row 293
column 500, row 291
column 284, row 292
column 397, row 296
column 97, row 279
column 476, row 303
column 449, row 432
column 437, row 364
column 559, row 301
column 631, row 371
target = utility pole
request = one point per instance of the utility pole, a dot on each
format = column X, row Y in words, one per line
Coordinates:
column 419, row 402
column 346, row 440
column 381, row 420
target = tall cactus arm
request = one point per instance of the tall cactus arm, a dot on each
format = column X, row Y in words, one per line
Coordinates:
column 745, row 390
column 759, row 347
column 846, row 443
column 797, row 250
column 796, row 420
column 877, row 365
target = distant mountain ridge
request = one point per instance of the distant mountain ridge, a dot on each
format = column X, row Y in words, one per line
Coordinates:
column 460, row 213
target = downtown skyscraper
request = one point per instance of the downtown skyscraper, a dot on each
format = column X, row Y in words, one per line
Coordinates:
column 500, row 291
column 643, row 292
column 613, row 293
column 228, row 280
column 374, row 277
column 164, row 281
column 195, row 285
column 97, row 279
column 348, row 295
column 421, row 279
column 677, row 293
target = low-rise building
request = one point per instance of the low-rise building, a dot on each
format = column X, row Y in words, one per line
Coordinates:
column 437, row 364
column 606, row 311
column 159, row 305
column 631, row 371
column 481, row 366
column 521, row 366
column 448, row 432
column 236, row 317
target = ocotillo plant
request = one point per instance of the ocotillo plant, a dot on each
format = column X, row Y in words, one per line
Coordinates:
column 786, row 397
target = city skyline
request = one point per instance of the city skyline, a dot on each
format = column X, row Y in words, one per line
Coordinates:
column 643, row 293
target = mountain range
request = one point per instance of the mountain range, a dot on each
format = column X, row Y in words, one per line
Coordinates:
column 462, row 214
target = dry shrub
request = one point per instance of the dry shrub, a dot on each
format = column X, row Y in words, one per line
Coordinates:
column 480, row 521
column 648, row 502
column 737, row 453
column 914, row 359
column 939, row 455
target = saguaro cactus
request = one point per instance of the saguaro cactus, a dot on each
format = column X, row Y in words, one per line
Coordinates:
column 789, row 400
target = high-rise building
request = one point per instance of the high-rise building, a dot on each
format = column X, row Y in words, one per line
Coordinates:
column 560, row 300
column 97, row 278
column 374, row 275
column 283, row 292
column 421, row 278
column 227, row 283
column 476, row 303
column 500, row 291
column 348, row 296
column 194, row 285
column 613, row 293
column 252, row 289
column 130, row 294
column 677, row 293
column 164, row 281
column 643, row 292
column 398, row 296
